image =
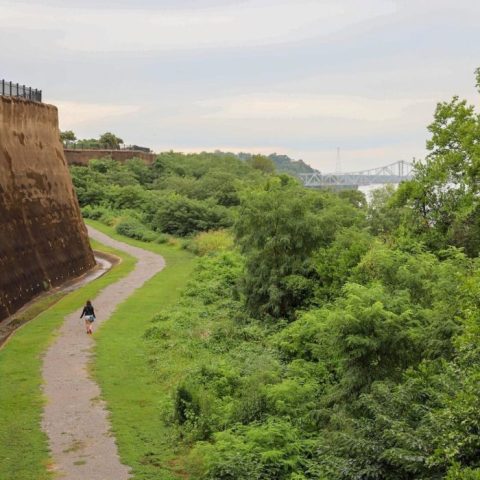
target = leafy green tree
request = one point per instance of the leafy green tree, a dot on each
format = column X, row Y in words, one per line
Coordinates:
column 277, row 231
column 355, row 197
column 110, row 141
column 182, row 216
column 335, row 213
column 114, row 172
column 89, row 185
column 283, row 163
column 383, row 218
column 88, row 143
column 143, row 173
column 443, row 196
column 262, row 163
column 375, row 335
column 68, row 137
column 273, row 450
column 126, row 197
column 335, row 262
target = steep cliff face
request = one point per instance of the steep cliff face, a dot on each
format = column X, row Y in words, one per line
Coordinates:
column 43, row 240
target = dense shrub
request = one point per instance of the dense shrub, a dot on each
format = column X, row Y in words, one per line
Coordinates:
column 131, row 227
column 182, row 216
column 102, row 214
column 277, row 231
column 130, row 196
column 273, row 450
column 94, row 212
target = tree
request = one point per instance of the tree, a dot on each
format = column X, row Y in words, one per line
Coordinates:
column 262, row 163
column 374, row 335
column 111, row 141
column 334, row 263
column 68, row 137
column 277, row 231
column 179, row 215
column 444, row 195
column 88, row 143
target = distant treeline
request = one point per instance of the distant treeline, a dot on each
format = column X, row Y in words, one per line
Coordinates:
column 283, row 163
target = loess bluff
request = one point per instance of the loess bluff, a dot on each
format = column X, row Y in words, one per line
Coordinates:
column 43, row 240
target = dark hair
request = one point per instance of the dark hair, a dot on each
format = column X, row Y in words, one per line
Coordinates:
column 89, row 303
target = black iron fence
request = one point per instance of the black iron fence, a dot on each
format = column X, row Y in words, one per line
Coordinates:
column 10, row 89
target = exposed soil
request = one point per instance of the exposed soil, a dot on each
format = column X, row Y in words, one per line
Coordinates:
column 75, row 418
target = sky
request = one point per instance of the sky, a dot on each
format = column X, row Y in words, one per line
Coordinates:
column 295, row 77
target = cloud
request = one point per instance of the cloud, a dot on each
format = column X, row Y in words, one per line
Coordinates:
column 73, row 115
column 295, row 76
column 288, row 106
column 248, row 23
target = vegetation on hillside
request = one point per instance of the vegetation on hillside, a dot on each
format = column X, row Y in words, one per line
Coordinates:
column 319, row 337
column 178, row 195
column 283, row 163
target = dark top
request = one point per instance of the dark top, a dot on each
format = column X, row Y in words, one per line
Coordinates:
column 87, row 310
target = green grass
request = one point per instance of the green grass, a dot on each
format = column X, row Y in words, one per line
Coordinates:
column 32, row 311
column 24, row 451
column 134, row 397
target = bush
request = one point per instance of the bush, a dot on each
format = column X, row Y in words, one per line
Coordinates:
column 93, row 212
column 109, row 218
column 183, row 216
column 162, row 238
column 273, row 450
column 133, row 228
column 100, row 213
column 129, row 196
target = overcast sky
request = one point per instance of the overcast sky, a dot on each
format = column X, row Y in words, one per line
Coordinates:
column 299, row 77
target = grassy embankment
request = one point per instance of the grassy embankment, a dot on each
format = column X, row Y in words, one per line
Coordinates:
column 23, row 446
column 134, row 397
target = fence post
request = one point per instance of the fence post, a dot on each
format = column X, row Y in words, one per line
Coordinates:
column 8, row 88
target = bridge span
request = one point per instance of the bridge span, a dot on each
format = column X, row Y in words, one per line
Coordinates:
column 393, row 173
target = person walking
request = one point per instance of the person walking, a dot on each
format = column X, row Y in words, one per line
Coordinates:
column 89, row 313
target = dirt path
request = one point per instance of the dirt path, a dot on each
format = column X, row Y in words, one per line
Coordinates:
column 75, row 419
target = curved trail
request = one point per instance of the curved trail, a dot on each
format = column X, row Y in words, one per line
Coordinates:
column 75, row 419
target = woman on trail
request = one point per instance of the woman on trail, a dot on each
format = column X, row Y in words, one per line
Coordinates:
column 89, row 313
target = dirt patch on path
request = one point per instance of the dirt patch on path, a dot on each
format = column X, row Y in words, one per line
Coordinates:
column 74, row 419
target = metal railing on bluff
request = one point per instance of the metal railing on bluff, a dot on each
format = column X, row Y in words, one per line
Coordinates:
column 10, row 89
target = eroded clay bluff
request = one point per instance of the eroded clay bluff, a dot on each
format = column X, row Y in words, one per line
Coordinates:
column 43, row 240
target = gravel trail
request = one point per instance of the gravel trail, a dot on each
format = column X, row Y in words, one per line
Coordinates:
column 75, row 418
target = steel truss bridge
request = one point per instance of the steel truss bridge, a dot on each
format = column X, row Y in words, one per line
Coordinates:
column 393, row 173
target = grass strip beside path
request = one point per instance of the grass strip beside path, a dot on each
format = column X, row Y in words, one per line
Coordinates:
column 24, row 453
column 134, row 397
